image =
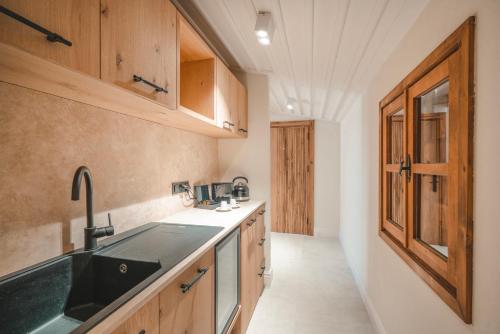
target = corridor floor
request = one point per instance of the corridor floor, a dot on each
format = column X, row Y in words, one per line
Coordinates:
column 312, row 291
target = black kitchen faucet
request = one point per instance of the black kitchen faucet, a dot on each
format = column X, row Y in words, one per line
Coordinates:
column 92, row 233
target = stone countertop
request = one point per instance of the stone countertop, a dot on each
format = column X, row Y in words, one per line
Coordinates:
column 193, row 216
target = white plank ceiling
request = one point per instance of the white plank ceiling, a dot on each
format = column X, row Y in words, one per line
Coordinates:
column 324, row 53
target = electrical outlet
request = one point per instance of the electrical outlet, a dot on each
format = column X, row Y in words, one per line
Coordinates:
column 177, row 187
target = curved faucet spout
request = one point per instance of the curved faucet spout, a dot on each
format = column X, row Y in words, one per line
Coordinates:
column 91, row 232
column 84, row 171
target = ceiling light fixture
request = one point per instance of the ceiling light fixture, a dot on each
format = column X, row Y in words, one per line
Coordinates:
column 289, row 104
column 264, row 28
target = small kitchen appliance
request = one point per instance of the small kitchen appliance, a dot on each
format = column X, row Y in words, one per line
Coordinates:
column 240, row 191
column 222, row 191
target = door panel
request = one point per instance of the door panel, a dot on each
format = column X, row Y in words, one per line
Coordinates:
column 139, row 37
column 74, row 20
column 292, row 182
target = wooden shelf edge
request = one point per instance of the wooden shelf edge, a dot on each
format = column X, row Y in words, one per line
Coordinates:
column 21, row 68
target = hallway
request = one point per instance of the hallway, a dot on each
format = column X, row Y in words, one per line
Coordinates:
column 312, row 291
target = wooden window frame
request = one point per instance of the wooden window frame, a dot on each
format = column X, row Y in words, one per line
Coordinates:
column 451, row 279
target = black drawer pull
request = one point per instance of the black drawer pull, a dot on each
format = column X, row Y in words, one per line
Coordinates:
column 262, row 212
column 187, row 286
column 149, row 83
column 229, row 125
column 251, row 222
column 262, row 272
column 243, row 130
column 142, row 331
column 51, row 36
column 262, row 241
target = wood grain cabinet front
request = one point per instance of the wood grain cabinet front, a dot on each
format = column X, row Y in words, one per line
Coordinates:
column 144, row 321
column 139, row 47
column 74, row 21
column 187, row 305
column 248, row 266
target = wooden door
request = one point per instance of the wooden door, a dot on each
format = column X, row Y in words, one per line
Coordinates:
column 74, row 20
column 292, row 185
column 191, row 311
column 145, row 320
column 139, row 38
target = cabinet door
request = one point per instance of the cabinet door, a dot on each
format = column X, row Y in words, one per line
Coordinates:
column 190, row 310
column 260, row 258
column 139, row 38
column 143, row 321
column 242, row 110
column 223, row 116
column 74, row 20
column 248, row 272
column 233, row 102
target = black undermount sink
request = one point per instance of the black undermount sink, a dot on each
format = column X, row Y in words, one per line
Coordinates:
column 72, row 293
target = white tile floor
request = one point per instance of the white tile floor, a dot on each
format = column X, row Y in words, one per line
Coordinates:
column 312, row 291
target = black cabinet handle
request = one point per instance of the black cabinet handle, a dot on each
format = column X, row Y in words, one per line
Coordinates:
column 262, row 212
column 262, row 241
column 51, row 36
column 243, row 130
column 157, row 88
column 262, row 272
column 229, row 125
column 187, row 286
column 142, row 331
column 251, row 222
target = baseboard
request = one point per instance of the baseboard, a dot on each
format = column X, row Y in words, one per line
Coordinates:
column 370, row 308
column 268, row 277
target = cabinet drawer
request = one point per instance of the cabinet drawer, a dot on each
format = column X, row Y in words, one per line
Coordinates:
column 74, row 20
column 144, row 321
column 187, row 304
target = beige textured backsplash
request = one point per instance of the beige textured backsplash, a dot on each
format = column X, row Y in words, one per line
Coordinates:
column 43, row 140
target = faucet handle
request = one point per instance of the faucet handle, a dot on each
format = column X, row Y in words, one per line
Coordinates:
column 109, row 230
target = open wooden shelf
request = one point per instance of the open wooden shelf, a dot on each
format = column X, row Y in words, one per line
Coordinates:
column 196, row 72
column 24, row 69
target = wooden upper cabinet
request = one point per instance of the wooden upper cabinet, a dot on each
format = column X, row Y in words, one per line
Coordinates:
column 242, row 123
column 231, row 101
column 74, row 20
column 187, row 305
column 197, row 72
column 139, row 40
column 145, row 320
column 223, row 89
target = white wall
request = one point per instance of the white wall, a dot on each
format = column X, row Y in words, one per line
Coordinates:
column 326, row 175
column 399, row 300
column 327, row 179
column 251, row 157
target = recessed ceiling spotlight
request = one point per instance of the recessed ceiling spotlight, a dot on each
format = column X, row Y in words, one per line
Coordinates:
column 264, row 28
column 289, row 104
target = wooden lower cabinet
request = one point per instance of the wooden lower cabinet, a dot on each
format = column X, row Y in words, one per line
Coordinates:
column 187, row 305
column 252, row 266
column 144, row 321
column 190, row 312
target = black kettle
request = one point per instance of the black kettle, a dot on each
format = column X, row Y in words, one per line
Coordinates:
column 240, row 191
